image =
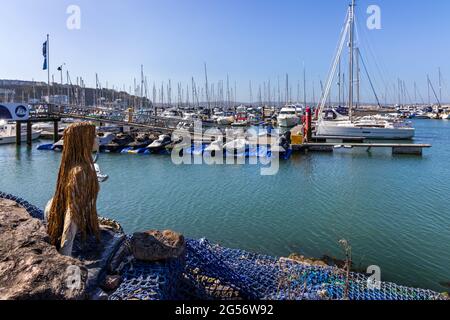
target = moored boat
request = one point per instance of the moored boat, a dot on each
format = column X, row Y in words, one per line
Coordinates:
column 160, row 144
column 370, row 128
column 288, row 117
column 8, row 133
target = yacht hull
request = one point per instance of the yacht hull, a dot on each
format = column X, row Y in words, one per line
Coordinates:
column 287, row 122
column 12, row 139
column 225, row 120
column 366, row 132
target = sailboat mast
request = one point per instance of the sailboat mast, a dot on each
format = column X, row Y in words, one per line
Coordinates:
column 357, row 78
column 279, row 93
column 251, row 93
column 207, row 88
column 304, row 85
column 287, row 89
column 142, row 86
column 415, row 93
column 228, row 93
column 352, row 29
column 440, row 85
column 339, row 82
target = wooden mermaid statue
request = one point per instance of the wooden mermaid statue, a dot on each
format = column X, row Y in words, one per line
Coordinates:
column 73, row 208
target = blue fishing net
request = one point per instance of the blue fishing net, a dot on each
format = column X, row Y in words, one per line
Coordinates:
column 212, row 272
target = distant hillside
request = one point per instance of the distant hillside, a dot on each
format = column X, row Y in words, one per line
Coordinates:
column 25, row 91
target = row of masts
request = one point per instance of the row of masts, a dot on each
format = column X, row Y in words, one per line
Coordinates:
column 222, row 94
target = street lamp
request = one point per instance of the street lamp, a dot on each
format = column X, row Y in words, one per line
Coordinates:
column 60, row 69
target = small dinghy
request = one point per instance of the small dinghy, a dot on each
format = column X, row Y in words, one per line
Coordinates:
column 120, row 142
column 214, row 147
column 126, row 150
column 137, row 151
column 58, row 146
column 236, row 147
column 264, row 152
column 160, row 144
column 100, row 176
column 105, row 138
column 45, row 147
column 196, row 150
column 141, row 141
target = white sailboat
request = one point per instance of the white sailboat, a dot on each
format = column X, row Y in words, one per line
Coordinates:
column 370, row 129
column 366, row 128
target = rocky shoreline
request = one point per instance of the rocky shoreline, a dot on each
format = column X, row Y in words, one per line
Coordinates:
column 31, row 268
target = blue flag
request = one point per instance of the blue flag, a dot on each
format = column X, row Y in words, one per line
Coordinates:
column 44, row 53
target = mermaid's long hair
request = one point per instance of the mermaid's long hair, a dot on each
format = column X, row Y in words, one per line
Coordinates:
column 77, row 186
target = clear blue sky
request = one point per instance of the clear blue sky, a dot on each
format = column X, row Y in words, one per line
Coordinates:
column 253, row 40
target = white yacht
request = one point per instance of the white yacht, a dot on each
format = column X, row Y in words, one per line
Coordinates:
column 240, row 123
column 432, row 115
column 215, row 146
column 236, row 146
column 160, row 144
column 421, row 115
column 370, row 128
column 225, row 120
column 288, row 117
column 222, row 118
column 8, row 133
column 190, row 116
column 172, row 114
column 445, row 115
column 47, row 127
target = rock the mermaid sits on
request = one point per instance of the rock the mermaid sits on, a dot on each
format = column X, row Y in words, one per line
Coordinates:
column 73, row 208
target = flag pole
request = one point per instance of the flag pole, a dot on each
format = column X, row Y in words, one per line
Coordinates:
column 48, row 67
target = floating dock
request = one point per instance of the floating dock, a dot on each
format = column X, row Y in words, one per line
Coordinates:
column 397, row 148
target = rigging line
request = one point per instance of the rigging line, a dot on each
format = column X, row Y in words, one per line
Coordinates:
column 332, row 72
column 337, row 49
column 407, row 93
column 420, row 96
column 365, row 39
column 381, row 70
column 434, row 92
column 370, row 80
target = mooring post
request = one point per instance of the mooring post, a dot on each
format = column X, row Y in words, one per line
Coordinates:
column 55, row 131
column 18, row 133
column 29, row 134
column 308, row 125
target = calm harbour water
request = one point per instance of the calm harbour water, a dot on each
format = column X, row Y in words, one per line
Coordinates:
column 394, row 210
